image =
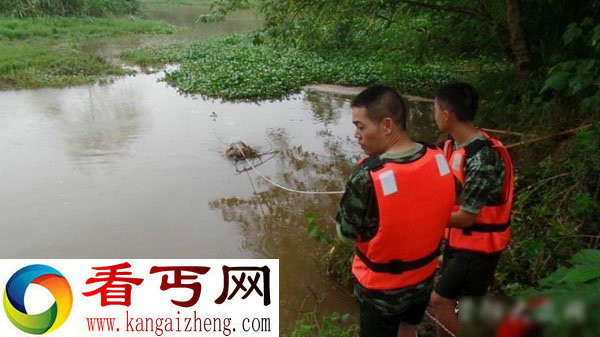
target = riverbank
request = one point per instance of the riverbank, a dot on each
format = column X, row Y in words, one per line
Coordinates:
column 59, row 51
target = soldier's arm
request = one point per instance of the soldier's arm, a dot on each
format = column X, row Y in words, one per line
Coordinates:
column 352, row 220
column 480, row 179
column 461, row 219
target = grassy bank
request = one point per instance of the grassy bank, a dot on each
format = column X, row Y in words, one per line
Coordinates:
column 53, row 52
column 79, row 8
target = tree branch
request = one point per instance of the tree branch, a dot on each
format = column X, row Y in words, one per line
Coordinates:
column 455, row 9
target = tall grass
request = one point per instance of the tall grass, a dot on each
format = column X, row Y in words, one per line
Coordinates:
column 93, row 8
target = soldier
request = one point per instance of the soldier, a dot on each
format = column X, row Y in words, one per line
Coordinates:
column 479, row 226
column 396, row 207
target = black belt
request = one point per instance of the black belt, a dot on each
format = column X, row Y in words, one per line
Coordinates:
column 486, row 228
column 398, row 266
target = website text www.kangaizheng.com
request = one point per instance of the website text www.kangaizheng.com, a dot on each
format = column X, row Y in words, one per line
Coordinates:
column 180, row 324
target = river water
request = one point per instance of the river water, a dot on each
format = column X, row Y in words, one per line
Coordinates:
column 133, row 169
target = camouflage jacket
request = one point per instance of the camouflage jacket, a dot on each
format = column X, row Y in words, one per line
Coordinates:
column 484, row 175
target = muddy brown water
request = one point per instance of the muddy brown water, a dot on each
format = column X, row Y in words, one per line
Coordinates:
column 133, row 169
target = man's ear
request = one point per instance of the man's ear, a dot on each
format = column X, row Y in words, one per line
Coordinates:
column 388, row 125
column 448, row 115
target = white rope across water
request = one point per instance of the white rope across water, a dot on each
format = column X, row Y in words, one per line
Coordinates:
column 281, row 186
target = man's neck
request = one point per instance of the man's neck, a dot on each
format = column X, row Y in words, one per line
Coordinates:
column 464, row 132
column 400, row 144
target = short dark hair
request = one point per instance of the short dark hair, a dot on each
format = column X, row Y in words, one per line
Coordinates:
column 381, row 102
column 460, row 98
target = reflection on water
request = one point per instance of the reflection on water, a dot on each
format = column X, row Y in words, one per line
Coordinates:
column 326, row 107
column 187, row 29
column 421, row 122
column 100, row 125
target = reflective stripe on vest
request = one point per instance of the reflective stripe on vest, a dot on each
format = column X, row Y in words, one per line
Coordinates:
column 415, row 200
column 490, row 232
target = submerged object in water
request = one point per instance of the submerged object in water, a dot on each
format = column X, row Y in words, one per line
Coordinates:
column 240, row 151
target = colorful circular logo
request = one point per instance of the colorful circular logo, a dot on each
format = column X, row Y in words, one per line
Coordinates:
column 14, row 299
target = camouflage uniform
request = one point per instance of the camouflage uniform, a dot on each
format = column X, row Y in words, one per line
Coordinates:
column 484, row 175
column 358, row 220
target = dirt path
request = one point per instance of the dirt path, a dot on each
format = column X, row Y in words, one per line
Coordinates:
column 353, row 91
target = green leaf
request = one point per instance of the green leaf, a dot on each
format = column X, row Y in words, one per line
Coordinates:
column 573, row 32
column 568, row 65
column 591, row 103
column 596, row 36
column 582, row 274
column 587, row 257
column 313, row 229
column 579, row 82
column 558, row 81
column 555, row 278
column 310, row 216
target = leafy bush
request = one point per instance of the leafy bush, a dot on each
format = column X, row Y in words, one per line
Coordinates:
column 580, row 279
column 574, row 304
column 557, row 211
column 579, row 76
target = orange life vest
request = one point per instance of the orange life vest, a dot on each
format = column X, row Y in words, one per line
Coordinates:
column 414, row 200
column 490, row 232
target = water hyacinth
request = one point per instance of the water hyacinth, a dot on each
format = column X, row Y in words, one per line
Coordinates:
column 236, row 67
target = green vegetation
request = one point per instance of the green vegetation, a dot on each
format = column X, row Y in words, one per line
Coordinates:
column 51, row 51
column 236, row 67
column 333, row 325
column 177, row 2
column 245, row 67
column 46, row 43
column 58, row 28
column 24, row 65
column 95, row 8
column 573, row 288
column 580, row 277
column 556, row 211
column 337, row 260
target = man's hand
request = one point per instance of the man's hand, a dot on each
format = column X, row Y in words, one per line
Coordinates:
column 461, row 219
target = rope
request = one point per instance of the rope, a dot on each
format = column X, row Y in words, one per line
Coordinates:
column 537, row 139
column 281, row 186
column 440, row 324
